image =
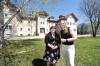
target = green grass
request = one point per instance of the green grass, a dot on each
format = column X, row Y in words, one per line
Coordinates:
column 87, row 52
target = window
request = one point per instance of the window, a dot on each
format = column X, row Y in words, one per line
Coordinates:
column 70, row 23
column 8, row 15
column 42, row 22
column 21, row 29
column 74, row 29
column 29, row 22
column 5, row 15
column 21, row 34
column 28, row 29
column 28, row 34
column 67, row 23
column 10, row 27
column 21, row 21
column 73, row 23
column 42, row 30
column 6, row 26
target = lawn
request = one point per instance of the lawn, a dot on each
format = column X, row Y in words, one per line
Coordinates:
column 27, row 52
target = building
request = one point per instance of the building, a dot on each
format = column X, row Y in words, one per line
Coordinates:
column 71, row 21
column 7, row 12
column 41, row 22
column 37, row 23
column 25, row 26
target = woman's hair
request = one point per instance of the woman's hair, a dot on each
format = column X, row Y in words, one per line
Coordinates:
column 62, row 18
column 52, row 27
column 65, row 28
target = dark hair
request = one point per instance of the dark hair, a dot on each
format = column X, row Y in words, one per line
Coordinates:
column 62, row 18
column 52, row 27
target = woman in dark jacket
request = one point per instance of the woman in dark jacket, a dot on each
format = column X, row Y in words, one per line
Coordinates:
column 52, row 51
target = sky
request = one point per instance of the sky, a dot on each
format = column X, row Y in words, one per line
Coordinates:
column 56, row 8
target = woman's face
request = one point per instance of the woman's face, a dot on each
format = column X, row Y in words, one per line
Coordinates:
column 53, row 30
column 62, row 24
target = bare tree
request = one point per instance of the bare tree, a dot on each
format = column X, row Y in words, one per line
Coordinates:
column 91, row 8
column 83, row 29
column 4, row 25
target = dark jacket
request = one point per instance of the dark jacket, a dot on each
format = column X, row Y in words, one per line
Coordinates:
column 49, row 40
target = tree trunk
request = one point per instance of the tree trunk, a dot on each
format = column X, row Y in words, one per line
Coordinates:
column 37, row 26
column 94, row 34
column 93, row 29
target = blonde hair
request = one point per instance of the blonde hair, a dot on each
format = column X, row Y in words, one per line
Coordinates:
column 65, row 28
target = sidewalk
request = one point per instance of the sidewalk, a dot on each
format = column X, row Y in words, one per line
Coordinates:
column 84, row 35
column 26, row 37
column 89, row 35
column 39, row 37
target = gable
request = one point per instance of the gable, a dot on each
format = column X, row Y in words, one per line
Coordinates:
column 71, row 19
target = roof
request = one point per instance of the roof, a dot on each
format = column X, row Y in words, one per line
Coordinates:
column 73, row 15
column 61, row 17
column 40, row 13
column 52, row 19
column 28, row 17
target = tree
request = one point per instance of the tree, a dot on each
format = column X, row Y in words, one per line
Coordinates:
column 92, row 11
column 2, row 2
column 83, row 29
column 4, row 25
column 0, row 5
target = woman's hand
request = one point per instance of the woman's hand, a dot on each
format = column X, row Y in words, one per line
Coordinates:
column 63, row 40
column 53, row 46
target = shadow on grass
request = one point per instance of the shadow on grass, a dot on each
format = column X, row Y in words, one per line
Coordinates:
column 39, row 62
